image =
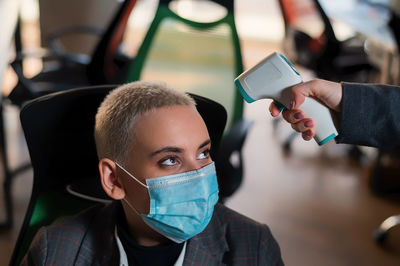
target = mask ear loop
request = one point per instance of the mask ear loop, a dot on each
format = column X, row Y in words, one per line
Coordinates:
column 130, row 205
column 123, row 169
column 124, row 199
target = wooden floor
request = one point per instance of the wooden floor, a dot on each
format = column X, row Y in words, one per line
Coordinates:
column 316, row 201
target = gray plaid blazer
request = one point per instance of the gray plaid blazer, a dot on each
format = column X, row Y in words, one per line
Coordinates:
column 88, row 239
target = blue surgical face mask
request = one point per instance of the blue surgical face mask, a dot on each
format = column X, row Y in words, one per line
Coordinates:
column 181, row 205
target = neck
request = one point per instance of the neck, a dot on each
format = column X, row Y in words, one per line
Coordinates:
column 140, row 231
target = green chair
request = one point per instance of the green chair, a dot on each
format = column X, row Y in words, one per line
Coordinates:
column 197, row 57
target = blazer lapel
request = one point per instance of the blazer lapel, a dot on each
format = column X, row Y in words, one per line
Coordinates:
column 208, row 247
column 100, row 248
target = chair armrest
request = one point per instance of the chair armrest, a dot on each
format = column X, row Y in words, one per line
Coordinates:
column 25, row 89
column 41, row 53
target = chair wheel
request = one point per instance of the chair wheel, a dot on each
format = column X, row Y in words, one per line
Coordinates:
column 380, row 236
column 286, row 146
column 355, row 154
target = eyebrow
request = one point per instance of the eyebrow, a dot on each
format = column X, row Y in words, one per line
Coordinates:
column 177, row 149
column 205, row 143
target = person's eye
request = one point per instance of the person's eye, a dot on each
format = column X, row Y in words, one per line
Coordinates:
column 204, row 155
column 170, row 161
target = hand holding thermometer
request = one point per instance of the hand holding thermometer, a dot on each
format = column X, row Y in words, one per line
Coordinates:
column 272, row 78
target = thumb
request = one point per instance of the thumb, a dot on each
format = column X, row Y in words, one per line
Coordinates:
column 326, row 92
column 299, row 94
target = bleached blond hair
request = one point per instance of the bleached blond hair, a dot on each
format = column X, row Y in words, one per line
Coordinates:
column 115, row 118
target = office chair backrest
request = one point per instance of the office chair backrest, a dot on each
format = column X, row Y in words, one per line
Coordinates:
column 59, row 133
column 306, row 44
column 71, row 70
column 105, row 63
column 199, row 57
column 104, row 67
column 58, row 15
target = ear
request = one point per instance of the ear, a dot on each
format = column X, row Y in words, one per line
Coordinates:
column 109, row 179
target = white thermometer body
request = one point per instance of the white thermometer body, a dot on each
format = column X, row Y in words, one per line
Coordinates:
column 272, row 78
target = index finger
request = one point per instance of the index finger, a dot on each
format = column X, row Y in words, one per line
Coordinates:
column 274, row 110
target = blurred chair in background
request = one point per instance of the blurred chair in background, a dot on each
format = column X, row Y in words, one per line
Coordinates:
column 200, row 57
column 58, row 16
column 59, row 132
column 74, row 70
column 310, row 42
column 9, row 172
column 71, row 71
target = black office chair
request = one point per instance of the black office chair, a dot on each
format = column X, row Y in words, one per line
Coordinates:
column 59, row 132
column 324, row 54
column 104, row 67
column 330, row 58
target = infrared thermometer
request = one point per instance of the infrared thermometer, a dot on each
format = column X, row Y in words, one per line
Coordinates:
column 272, row 78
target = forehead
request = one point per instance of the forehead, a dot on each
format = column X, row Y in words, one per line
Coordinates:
column 180, row 126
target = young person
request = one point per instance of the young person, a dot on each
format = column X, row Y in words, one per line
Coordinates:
column 154, row 161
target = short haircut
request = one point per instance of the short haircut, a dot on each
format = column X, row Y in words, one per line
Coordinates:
column 115, row 118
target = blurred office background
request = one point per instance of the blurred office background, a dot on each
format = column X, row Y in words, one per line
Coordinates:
column 322, row 204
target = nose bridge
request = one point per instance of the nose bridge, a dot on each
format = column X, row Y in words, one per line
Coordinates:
column 193, row 164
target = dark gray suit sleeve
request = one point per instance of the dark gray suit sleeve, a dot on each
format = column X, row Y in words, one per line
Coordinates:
column 269, row 252
column 370, row 115
column 37, row 253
